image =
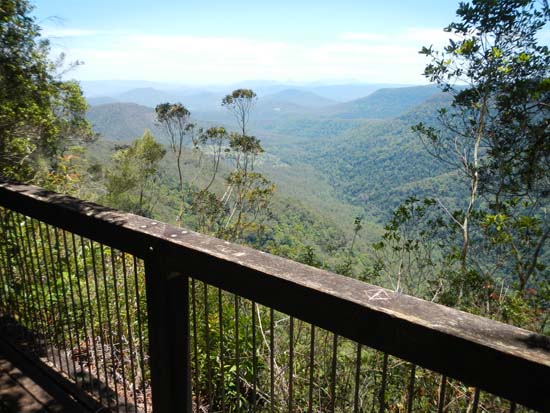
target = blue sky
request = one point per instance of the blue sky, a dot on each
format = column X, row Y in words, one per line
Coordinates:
column 206, row 42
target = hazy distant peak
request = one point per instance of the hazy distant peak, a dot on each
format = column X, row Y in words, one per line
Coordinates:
column 299, row 97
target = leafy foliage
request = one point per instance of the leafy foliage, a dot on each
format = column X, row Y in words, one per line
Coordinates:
column 132, row 181
column 39, row 113
column 494, row 134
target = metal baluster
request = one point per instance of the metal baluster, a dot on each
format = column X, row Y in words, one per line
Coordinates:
column 207, row 338
column 130, row 332
column 83, row 306
column 195, row 343
column 61, row 326
column 410, row 392
column 91, row 313
column 254, row 359
column 333, row 373
column 50, row 295
column 272, row 360
column 222, row 360
column 71, row 292
column 441, row 400
column 140, row 335
column 357, row 379
column 382, row 394
column 33, row 327
column 109, row 324
column 311, row 368
column 291, row 365
column 4, row 288
column 100, row 320
column 119, row 328
column 65, row 303
column 476, row 400
column 23, row 309
column 237, row 355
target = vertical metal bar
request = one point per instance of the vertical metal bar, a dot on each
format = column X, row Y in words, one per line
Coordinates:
column 237, row 355
column 410, row 391
column 14, row 302
column 168, row 309
column 291, row 365
column 333, row 373
column 41, row 293
column 35, row 294
column 130, row 332
column 26, row 316
column 207, row 339
column 140, row 335
column 195, row 388
column 99, row 319
column 40, row 285
column 254, row 359
column 4, row 277
column 65, row 304
column 39, row 313
column 28, row 324
column 17, row 315
column 50, row 296
column 6, row 259
column 12, row 261
column 29, row 272
column 109, row 324
column 119, row 328
column 476, row 400
column 311, row 368
column 357, row 379
column 222, row 359
column 441, row 400
column 75, row 322
column 382, row 394
column 10, row 275
column 83, row 309
column 91, row 313
column 60, row 313
column 272, row 360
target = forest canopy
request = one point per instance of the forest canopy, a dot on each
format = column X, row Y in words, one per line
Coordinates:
column 40, row 114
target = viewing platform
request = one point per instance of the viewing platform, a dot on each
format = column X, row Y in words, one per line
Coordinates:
column 107, row 311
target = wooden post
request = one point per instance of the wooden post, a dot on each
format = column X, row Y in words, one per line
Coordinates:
column 169, row 356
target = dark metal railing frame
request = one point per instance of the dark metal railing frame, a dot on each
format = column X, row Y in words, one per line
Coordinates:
column 504, row 360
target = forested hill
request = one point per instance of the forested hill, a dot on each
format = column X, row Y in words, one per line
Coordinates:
column 370, row 163
column 383, row 104
column 299, row 97
column 121, row 121
column 377, row 164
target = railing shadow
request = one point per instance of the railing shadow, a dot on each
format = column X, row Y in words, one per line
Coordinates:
column 537, row 341
column 27, row 350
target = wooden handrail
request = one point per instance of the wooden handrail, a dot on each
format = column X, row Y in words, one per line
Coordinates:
column 508, row 361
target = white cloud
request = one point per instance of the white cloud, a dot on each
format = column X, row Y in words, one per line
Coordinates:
column 368, row 57
column 425, row 36
column 361, row 36
column 66, row 32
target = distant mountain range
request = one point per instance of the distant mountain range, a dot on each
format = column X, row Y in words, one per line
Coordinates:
column 209, row 97
column 365, row 147
column 383, row 104
column 292, row 112
column 298, row 97
column 122, row 121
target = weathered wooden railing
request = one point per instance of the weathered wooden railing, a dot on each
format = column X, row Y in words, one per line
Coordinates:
column 132, row 310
